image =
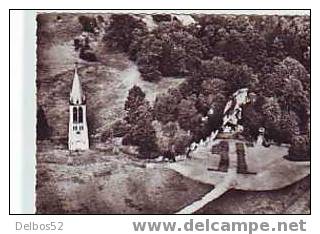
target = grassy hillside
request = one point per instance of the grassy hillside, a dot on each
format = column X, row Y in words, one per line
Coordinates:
column 105, row 83
column 293, row 199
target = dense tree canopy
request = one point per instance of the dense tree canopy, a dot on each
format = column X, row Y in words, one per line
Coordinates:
column 120, row 31
column 140, row 131
column 218, row 55
column 135, row 98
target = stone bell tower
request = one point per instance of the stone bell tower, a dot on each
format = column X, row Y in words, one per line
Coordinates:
column 78, row 129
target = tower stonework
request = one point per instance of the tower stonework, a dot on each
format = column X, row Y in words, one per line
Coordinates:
column 78, row 129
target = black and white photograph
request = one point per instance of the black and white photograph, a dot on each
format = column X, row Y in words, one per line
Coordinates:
column 173, row 113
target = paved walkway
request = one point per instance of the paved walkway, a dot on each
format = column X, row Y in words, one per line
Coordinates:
column 272, row 171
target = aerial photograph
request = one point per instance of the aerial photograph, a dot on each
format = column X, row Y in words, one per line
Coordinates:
column 173, row 113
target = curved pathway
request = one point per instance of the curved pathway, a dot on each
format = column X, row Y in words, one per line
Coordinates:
column 272, row 171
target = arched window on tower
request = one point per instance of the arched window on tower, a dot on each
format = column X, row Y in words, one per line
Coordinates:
column 75, row 114
column 80, row 115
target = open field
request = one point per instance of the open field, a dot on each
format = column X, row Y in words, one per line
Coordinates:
column 98, row 181
column 293, row 199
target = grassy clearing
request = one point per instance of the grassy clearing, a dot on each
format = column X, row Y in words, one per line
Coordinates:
column 101, row 182
column 293, row 199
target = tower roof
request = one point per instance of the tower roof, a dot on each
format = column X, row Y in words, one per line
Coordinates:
column 76, row 94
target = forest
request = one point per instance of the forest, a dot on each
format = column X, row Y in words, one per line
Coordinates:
column 216, row 56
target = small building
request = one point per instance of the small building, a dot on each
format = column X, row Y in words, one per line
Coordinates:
column 78, row 129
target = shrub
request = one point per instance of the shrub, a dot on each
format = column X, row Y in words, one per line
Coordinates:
column 135, row 98
column 182, row 140
column 87, row 55
column 88, row 23
column 117, row 129
column 252, row 118
column 166, row 106
column 120, row 128
column 161, row 17
column 142, row 135
column 289, row 127
column 171, row 138
column 188, row 116
column 120, row 30
column 217, row 104
column 100, row 18
column 300, row 149
column 139, row 131
column 76, row 43
column 43, row 129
